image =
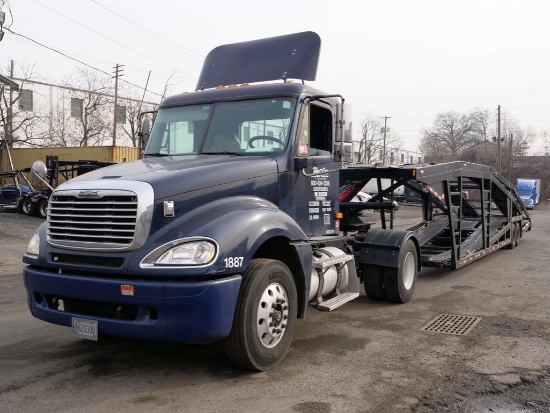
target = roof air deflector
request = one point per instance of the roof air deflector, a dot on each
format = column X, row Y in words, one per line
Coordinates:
column 292, row 56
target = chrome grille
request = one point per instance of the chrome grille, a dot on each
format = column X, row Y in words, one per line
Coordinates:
column 99, row 215
column 110, row 219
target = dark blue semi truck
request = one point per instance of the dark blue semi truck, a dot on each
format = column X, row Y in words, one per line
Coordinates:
column 239, row 216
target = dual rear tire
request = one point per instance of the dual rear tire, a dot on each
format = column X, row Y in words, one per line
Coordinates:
column 390, row 283
column 31, row 208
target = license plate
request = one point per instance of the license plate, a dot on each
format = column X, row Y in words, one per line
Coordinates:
column 84, row 328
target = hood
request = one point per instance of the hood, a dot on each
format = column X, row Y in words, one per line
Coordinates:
column 174, row 175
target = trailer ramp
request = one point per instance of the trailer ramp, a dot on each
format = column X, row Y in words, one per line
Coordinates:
column 468, row 210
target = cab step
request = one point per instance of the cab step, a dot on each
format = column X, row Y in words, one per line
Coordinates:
column 337, row 301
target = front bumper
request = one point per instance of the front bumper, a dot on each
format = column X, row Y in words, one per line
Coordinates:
column 195, row 311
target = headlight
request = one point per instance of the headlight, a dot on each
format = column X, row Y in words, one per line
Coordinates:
column 34, row 246
column 178, row 253
column 194, row 253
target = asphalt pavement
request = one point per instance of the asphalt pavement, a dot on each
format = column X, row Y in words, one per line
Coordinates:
column 364, row 357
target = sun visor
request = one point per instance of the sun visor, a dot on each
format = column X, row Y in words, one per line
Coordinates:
column 292, row 56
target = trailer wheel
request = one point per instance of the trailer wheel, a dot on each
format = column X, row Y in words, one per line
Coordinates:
column 265, row 316
column 373, row 281
column 514, row 239
column 512, row 243
column 27, row 207
column 399, row 282
column 43, row 208
column 518, row 233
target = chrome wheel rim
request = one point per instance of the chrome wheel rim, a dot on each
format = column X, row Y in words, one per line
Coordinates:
column 272, row 315
column 408, row 270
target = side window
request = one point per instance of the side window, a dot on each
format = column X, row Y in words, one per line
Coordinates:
column 316, row 133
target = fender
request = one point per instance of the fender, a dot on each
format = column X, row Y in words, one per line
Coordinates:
column 238, row 225
column 382, row 247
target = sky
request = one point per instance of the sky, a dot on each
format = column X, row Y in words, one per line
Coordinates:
column 404, row 59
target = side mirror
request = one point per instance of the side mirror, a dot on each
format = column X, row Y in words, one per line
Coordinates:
column 39, row 173
column 145, row 132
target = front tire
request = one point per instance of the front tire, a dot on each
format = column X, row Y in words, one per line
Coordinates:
column 265, row 316
column 399, row 282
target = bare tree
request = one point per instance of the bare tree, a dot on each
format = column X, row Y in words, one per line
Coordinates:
column 91, row 125
column 21, row 125
column 521, row 138
column 371, row 145
column 451, row 133
column 483, row 124
column 133, row 108
column 545, row 136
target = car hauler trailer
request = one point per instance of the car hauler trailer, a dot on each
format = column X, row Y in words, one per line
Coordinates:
column 50, row 174
column 238, row 218
column 33, row 201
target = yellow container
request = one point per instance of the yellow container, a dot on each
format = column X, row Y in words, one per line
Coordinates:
column 24, row 157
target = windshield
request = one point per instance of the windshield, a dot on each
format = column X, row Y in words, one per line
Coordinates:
column 525, row 192
column 241, row 127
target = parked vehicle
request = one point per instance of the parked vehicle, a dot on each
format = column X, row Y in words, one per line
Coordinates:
column 10, row 192
column 529, row 191
column 35, row 202
column 374, row 186
column 364, row 197
column 193, row 244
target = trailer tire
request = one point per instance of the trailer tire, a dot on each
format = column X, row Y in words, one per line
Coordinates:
column 43, row 208
column 399, row 282
column 514, row 239
column 27, row 207
column 512, row 243
column 518, row 233
column 265, row 316
column 373, row 281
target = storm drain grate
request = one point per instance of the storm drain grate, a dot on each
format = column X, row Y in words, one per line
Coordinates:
column 459, row 325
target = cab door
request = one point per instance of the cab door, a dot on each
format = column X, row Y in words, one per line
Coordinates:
column 316, row 176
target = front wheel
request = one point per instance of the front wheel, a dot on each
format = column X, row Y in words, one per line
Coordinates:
column 265, row 316
column 399, row 282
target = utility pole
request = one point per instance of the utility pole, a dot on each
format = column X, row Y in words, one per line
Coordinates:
column 384, row 130
column 510, row 144
column 2, row 19
column 363, row 144
column 118, row 73
column 9, row 139
column 499, row 166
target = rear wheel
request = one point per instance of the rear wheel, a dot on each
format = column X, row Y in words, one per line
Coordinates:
column 43, row 208
column 399, row 282
column 27, row 207
column 265, row 316
column 373, row 281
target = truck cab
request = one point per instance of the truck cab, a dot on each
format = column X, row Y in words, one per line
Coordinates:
column 529, row 191
column 213, row 234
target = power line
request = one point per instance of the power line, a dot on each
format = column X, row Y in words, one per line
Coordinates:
column 110, row 39
column 76, row 60
column 166, row 40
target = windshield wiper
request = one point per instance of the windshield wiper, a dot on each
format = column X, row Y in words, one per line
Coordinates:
column 223, row 153
column 156, row 155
